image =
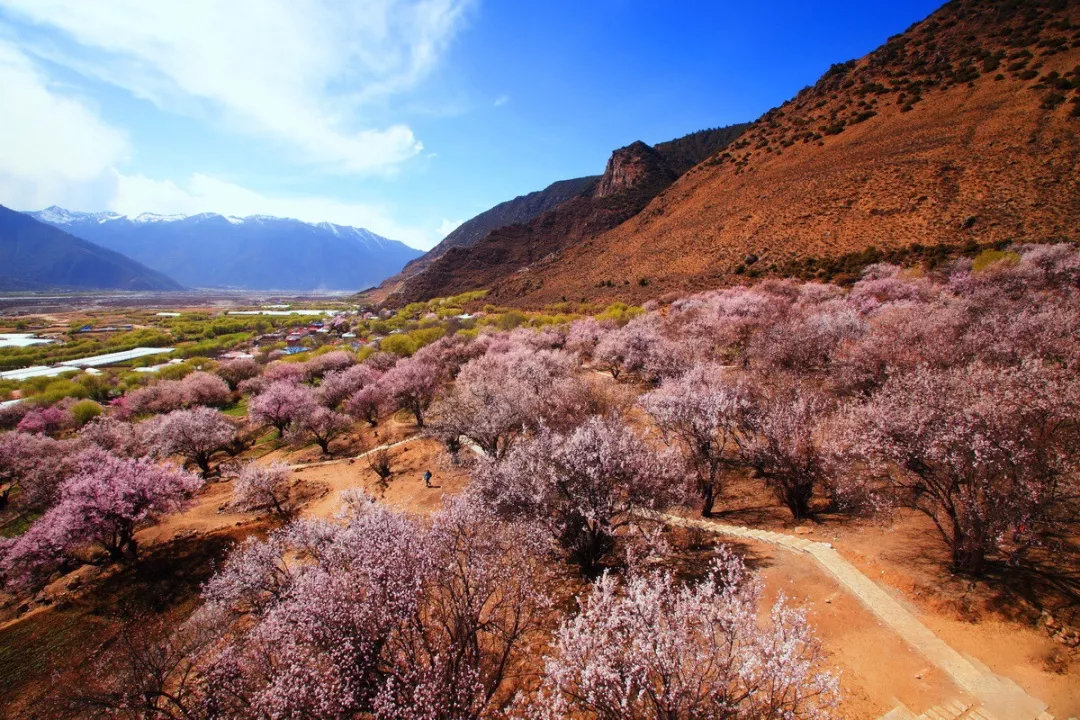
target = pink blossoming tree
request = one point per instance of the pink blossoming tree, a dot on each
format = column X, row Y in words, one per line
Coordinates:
column 655, row 649
column 260, row 487
column 281, row 404
column 321, row 425
column 583, row 485
column 989, row 454
column 234, row 372
column 101, row 505
column 381, row 616
column 196, row 435
column 203, row 388
column 46, row 421
column 367, row 403
column 786, row 446
column 498, row 396
column 32, row 468
column 708, row 419
column 339, row 385
column 411, row 385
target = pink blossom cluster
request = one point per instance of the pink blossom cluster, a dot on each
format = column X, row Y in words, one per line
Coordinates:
column 381, row 616
column 653, row 648
column 197, row 388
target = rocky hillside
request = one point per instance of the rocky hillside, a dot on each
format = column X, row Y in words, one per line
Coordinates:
column 634, row 175
column 961, row 130
column 521, row 209
column 35, row 256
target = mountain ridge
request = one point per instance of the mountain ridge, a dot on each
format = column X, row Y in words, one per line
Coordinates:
column 257, row 252
column 36, row 256
column 634, row 174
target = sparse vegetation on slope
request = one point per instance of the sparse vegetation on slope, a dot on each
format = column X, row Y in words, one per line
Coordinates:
column 960, row 130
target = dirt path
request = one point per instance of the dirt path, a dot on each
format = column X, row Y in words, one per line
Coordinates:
column 998, row 696
column 350, row 458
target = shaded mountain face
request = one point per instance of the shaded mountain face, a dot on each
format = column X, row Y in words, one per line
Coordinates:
column 35, row 256
column 252, row 253
column 521, row 209
column 634, row 175
column 962, row 129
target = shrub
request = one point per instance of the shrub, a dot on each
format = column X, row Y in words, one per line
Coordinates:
column 991, row 258
column 85, row 411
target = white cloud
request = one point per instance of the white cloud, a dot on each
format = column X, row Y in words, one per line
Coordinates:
column 59, row 151
column 448, row 226
column 202, row 193
column 54, row 145
column 301, row 73
column 501, row 100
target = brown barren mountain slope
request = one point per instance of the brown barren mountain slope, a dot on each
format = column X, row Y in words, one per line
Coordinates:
column 521, row 209
column 634, row 175
column 963, row 128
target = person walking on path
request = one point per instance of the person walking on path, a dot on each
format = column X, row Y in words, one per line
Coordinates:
column 427, row 478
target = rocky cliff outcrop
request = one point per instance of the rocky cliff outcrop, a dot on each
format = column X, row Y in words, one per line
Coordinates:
column 634, row 175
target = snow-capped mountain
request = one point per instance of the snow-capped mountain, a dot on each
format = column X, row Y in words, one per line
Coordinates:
column 258, row 252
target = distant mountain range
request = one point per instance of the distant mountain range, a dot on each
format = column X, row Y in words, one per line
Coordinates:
column 35, row 256
column 258, row 252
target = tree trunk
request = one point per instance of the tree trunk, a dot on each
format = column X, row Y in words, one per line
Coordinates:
column 968, row 552
column 969, row 560
column 594, row 544
column 278, row 507
column 708, row 496
column 797, row 499
column 126, row 548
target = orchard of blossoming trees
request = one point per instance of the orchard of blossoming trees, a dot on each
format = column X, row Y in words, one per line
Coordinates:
column 951, row 392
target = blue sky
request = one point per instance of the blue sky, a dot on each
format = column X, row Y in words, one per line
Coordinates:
column 402, row 117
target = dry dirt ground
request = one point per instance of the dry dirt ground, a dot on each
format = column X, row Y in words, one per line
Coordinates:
column 994, row 621
column 877, row 668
